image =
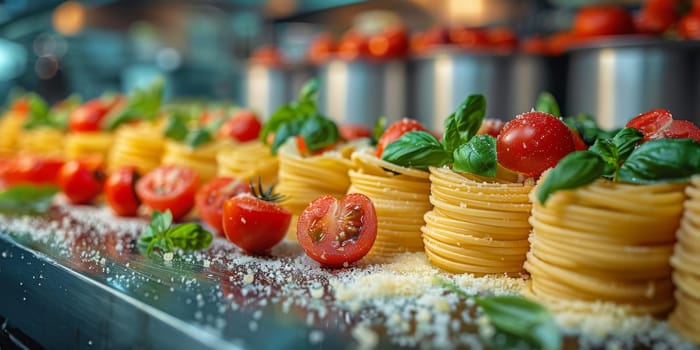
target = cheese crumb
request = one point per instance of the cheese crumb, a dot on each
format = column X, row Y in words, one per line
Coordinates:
column 168, row 256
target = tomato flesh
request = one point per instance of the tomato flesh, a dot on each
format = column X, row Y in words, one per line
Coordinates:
column 80, row 182
column 682, row 129
column 652, row 123
column 210, row 198
column 689, row 26
column 29, row 170
column 253, row 224
column 490, row 127
column 533, row 142
column 88, row 117
column 351, row 132
column 169, row 187
column 120, row 191
column 395, row 131
column 336, row 233
column 243, row 126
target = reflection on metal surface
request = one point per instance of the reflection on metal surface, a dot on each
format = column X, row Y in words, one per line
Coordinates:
column 606, row 86
column 336, row 92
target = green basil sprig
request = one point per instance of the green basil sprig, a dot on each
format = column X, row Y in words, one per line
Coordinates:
column 301, row 118
column 27, row 199
column 143, row 104
column 421, row 150
column 378, row 130
column 575, row 170
column 41, row 115
column 548, row 104
column 161, row 234
column 664, row 160
column 514, row 317
column 183, row 127
column 587, row 128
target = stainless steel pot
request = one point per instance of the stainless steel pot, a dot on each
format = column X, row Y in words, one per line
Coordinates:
column 615, row 80
column 359, row 91
column 267, row 88
column 441, row 81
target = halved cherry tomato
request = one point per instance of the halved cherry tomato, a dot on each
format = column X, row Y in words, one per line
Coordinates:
column 80, row 182
column 395, row 131
column 169, row 187
column 491, row 127
column 351, row 132
column 388, row 44
column 689, row 26
column 253, row 224
column 533, row 142
column 243, row 126
column 210, row 199
column 322, row 48
column 338, row 232
column 682, row 129
column 602, row 20
column 88, row 117
column 652, row 123
column 29, row 170
column 120, row 191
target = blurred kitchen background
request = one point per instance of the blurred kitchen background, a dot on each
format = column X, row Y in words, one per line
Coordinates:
column 397, row 58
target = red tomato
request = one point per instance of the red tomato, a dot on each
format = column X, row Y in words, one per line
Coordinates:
column 561, row 41
column 395, row 131
column 80, row 182
column 321, row 49
column 304, row 150
column 696, row 7
column 267, row 55
column 602, row 20
column 490, row 127
column 535, row 45
column 210, row 199
column 689, row 26
column 169, row 187
column 29, row 170
column 351, row 132
column 243, row 126
column 88, row 117
column 656, row 16
column 502, row 38
column 336, row 233
column 253, row 224
column 20, row 106
column 391, row 43
column 418, row 44
column 579, row 144
column 533, row 142
column 353, row 45
column 437, row 36
column 682, row 129
column 652, row 123
column 469, row 37
column 120, row 191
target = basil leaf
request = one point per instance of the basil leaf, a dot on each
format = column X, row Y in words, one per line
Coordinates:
column 40, row 115
column 575, row 170
column 607, row 150
column 477, row 156
column 309, row 92
column 319, row 132
column 281, row 115
column 548, row 104
column 160, row 221
column 664, row 160
column 286, row 130
column 160, row 234
column 189, row 236
column 176, row 127
column 27, row 199
column 417, row 149
column 143, row 104
column 464, row 122
column 522, row 318
column 587, row 128
column 625, row 141
column 378, row 130
column 198, row 137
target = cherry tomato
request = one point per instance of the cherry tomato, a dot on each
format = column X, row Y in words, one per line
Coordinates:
column 20, row 106
column 562, row 41
column 689, row 26
column 353, row 45
column 120, row 191
column 29, row 170
column 682, row 129
column 336, row 233
column 535, row 45
column 169, row 187
column 490, row 127
column 243, row 126
column 267, row 55
column 321, row 49
column 579, row 144
column 502, row 38
column 80, row 182
column 602, row 20
column 210, row 199
column 351, row 132
column 390, row 43
column 395, row 131
column 88, row 117
column 696, row 7
column 469, row 37
column 253, row 224
column 656, row 16
column 533, row 142
column 652, row 123
column 304, row 150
